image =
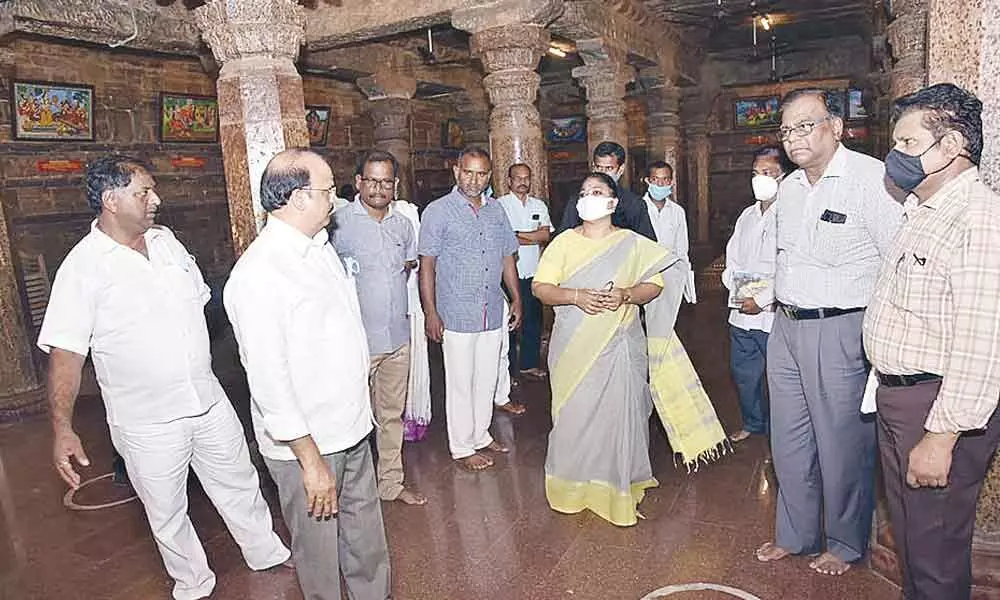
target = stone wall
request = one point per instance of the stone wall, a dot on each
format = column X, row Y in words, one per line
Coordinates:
column 46, row 210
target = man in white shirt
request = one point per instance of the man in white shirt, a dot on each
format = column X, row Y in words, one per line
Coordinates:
column 749, row 277
column 835, row 222
column 298, row 324
column 529, row 217
column 131, row 295
column 668, row 218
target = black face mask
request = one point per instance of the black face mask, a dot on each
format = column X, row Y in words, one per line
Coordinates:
column 906, row 170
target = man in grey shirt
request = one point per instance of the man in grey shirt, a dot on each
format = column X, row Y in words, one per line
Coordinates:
column 378, row 247
column 466, row 243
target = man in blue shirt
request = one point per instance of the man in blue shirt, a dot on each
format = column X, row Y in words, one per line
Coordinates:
column 466, row 247
column 378, row 246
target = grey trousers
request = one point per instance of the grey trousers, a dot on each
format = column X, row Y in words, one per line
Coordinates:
column 354, row 540
column 823, row 448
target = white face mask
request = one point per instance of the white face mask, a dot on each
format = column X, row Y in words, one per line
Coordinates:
column 593, row 208
column 765, row 188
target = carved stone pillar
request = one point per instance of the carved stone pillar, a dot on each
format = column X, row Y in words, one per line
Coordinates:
column 21, row 393
column 604, row 75
column 663, row 122
column 509, row 38
column 907, row 40
column 261, row 107
column 389, row 97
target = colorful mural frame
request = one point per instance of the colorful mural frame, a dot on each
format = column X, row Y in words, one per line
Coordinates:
column 757, row 112
column 198, row 124
column 318, row 124
column 856, row 104
column 567, row 130
column 34, row 121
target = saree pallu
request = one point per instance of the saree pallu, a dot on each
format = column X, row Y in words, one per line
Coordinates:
column 598, row 452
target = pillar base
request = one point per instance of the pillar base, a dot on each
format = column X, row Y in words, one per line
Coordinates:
column 985, row 564
column 23, row 406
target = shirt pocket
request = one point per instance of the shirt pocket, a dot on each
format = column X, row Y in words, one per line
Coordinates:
column 836, row 244
column 918, row 287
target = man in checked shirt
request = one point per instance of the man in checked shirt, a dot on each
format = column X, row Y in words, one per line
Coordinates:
column 932, row 332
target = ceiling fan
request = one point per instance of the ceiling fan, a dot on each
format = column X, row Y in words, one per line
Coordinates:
column 722, row 15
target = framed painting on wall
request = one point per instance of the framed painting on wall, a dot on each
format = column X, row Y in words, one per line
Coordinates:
column 52, row 111
column 452, row 135
column 188, row 118
column 318, row 124
column 756, row 113
column 855, row 105
column 567, row 130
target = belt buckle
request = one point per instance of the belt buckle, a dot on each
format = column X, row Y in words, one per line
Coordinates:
column 789, row 312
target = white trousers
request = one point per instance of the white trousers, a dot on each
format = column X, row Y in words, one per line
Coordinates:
column 158, row 456
column 471, row 363
column 502, row 394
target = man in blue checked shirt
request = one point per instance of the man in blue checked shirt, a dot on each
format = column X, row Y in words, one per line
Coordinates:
column 466, row 247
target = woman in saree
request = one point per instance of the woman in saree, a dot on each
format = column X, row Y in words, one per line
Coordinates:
column 606, row 375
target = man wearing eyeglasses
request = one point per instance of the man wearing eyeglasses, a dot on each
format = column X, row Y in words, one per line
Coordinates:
column 297, row 321
column 835, row 222
column 378, row 245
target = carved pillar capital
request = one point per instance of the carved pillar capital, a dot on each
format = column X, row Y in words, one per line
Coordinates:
column 506, row 13
column 388, row 85
column 249, row 28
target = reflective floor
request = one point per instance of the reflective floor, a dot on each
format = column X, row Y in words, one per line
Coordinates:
column 481, row 536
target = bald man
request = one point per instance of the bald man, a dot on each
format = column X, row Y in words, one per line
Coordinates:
column 298, row 324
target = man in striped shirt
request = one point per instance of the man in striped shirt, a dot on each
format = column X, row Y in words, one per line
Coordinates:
column 932, row 333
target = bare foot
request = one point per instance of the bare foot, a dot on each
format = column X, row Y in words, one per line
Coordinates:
column 411, row 497
column 476, row 462
column 828, row 564
column 496, row 446
column 770, row 552
column 513, row 408
column 739, row 436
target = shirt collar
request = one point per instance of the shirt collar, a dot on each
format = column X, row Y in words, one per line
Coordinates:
column 947, row 190
column 836, row 168
column 459, row 197
column 106, row 244
column 358, row 207
column 299, row 241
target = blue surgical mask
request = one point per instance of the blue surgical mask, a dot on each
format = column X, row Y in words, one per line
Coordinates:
column 660, row 192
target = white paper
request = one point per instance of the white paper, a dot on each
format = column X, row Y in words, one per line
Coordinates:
column 868, row 401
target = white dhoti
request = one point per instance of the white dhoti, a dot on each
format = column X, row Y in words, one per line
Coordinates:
column 471, row 363
column 158, row 455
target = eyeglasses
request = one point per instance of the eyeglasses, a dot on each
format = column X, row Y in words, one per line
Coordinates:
column 330, row 190
column 385, row 184
column 801, row 130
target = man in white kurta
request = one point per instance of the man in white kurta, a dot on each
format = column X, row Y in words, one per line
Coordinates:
column 131, row 295
column 296, row 318
column 668, row 219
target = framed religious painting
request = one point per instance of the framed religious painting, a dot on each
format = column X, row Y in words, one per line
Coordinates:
column 856, row 105
column 756, row 113
column 567, row 130
column 46, row 111
column 452, row 135
column 187, row 118
column 318, row 124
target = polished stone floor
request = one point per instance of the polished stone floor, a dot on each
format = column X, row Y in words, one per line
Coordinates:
column 481, row 536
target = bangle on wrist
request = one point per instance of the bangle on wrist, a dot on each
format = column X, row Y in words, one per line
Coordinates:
column 628, row 295
column 575, row 293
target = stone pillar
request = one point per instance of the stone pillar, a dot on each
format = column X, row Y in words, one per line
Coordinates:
column 21, row 392
column 907, row 39
column 261, row 106
column 663, row 121
column 389, row 96
column 604, row 75
column 702, row 150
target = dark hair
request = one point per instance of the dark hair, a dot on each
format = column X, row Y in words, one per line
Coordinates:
column 659, row 164
column 510, row 169
column 109, row 172
column 605, row 179
column 947, row 107
column 778, row 154
column 377, row 156
column 475, row 152
column 834, row 106
column 281, row 179
column 610, row 149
